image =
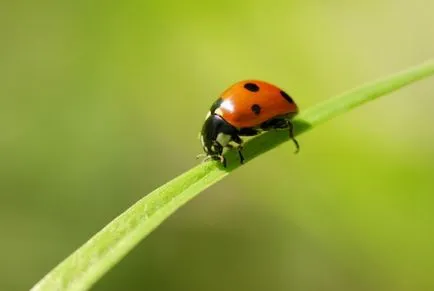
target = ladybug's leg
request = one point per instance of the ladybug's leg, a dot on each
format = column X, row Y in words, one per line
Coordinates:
column 223, row 160
column 216, row 154
column 282, row 123
column 239, row 141
column 220, row 158
column 291, row 136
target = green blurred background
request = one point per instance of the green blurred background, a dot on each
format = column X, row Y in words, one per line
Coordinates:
column 101, row 102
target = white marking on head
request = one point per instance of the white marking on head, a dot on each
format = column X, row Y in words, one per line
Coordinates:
column 207, row 115
column 228, row 105
column 218, row 111
column 223, row 139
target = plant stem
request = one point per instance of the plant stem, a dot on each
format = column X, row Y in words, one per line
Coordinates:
column 104, row 250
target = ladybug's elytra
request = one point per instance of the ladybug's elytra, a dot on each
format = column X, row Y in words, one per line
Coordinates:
column 247, row 108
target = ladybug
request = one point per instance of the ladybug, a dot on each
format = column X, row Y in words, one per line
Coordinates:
column 247, row 108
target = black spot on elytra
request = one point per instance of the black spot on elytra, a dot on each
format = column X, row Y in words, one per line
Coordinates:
column 252, row 87
column 286, row 96
column 216, row 105
column 256, row 109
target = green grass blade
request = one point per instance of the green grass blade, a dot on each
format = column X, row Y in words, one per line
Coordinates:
column 98, row 255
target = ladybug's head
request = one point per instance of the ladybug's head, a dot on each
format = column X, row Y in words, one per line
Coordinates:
column 215, row 135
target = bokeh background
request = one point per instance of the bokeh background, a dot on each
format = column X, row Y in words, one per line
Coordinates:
column 102, row 101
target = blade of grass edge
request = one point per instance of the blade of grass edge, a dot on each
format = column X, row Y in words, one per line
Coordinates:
column 105, row 249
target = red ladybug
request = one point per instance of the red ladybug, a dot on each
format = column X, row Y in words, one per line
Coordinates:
column 245, row 109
